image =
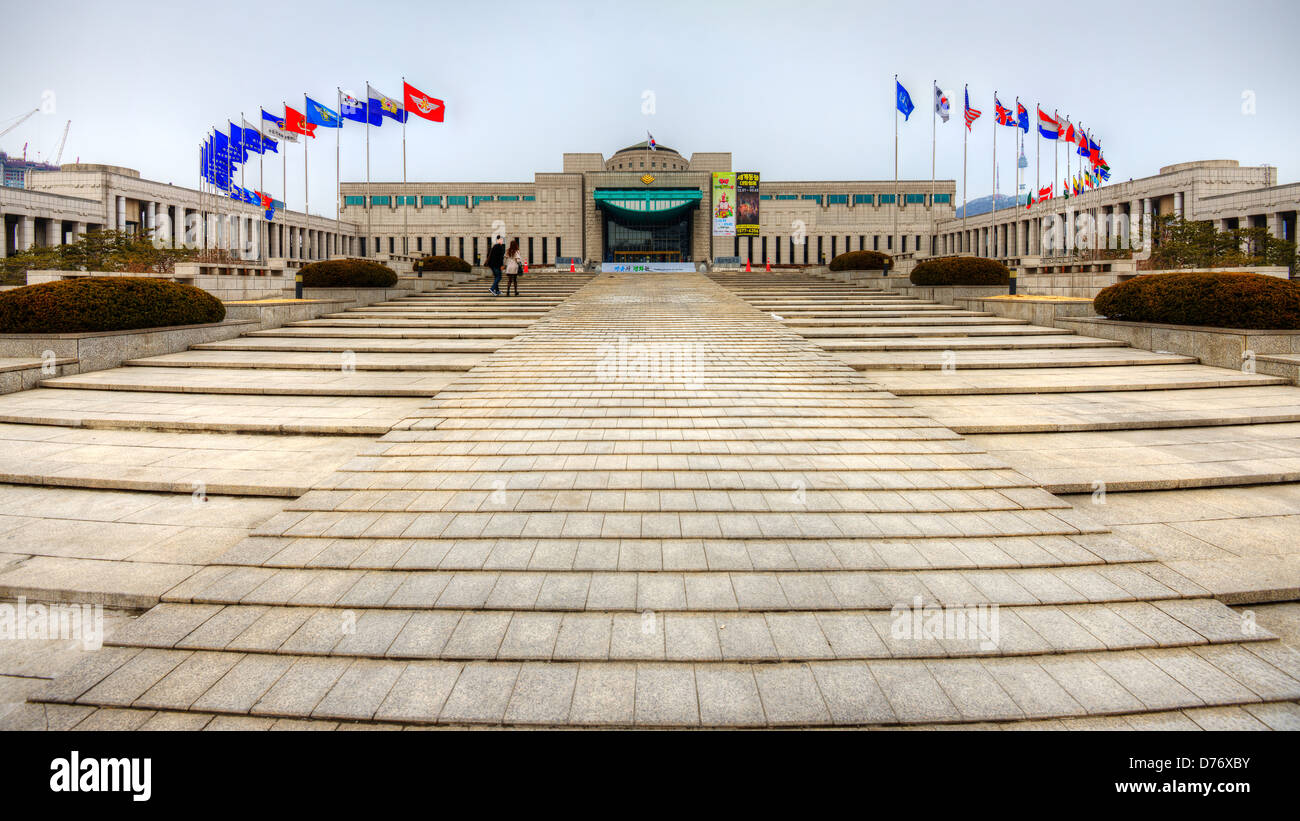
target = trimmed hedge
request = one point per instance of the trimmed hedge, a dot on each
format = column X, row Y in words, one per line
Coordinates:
column 862, row 261
column 105, row 304
column 1228, row 299
column 347, row 273
column 961, row 271
column 443, row 264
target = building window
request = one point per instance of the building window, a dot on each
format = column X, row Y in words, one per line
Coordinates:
column 886, row 199
column 391, row 244
column 763, row 249
column 837, row 199
column 529, row 198
column 482, row 198
column 419, row 244
column 380, row 200
column 862, row 243
column 862, row 199
column 558, row 252
column 917, row 246
column 833, row 244
column 943, row 197
column 765, row 196
column 544, row 257
column 458, row 200
column 462, row 248
column 530, row 250
column 889, row 242
column 815, row 197
column 736, row 252
column 427, row 200
column 354, row 200
column 910, row 198
column 510, row 198
column 777, row 244
column 787, row 196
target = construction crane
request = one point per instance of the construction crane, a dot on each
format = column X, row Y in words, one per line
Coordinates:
column 58, row 155
column 22, row 120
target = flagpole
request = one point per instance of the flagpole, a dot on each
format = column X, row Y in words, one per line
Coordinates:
column 365, row 246
column 964, row 132
column 896, row 204
column 338, row 143
column 1038, row 152
column 993, row 211
column 406, row 227
column 934, row 142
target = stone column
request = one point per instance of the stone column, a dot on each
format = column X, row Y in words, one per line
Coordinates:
column 26, row 233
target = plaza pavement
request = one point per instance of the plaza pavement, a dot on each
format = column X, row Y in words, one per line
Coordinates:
column 659, row 504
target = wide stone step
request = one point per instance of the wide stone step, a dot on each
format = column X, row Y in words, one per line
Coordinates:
column 959, row 360
column 741, row 636
column 956, row 330
column 355, row 344
column 251, row 381
column 170, row 462
column 1048, row 380
column 1153, row 459
column 1118, row 410
column 327, row 331
column 980, row 343
column 682, row 694
column 307, row 360
column 392, row 322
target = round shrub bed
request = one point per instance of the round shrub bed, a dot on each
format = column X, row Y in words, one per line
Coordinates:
column 862, row 261
column 1226, row 299
column 105, row 304
column 961, row 271
column 347, row 273
column 443, row 264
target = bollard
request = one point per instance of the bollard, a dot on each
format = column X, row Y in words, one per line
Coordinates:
column 297, row 285
column 1012, row 283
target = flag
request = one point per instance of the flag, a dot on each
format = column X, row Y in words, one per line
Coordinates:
column 381, row 106
column 238, row 150
column 221, row 161
column 318, row 114
column 1083, row 143
column 1029, row 201
column 1104, row 172
column 295, row 121
column 972, row 114
column 264, row 142
column 353, row 109
column 1002, row 114
column 278, row 127
column 252, row 141
column 904, row 100
column 941, row 104
column 1022, row 117
column 1065, row 188
column 650, row 141
column 1045, row 193
column 1094, row 153
column 421, row 104
column 1048, row 127
column 1069, row 132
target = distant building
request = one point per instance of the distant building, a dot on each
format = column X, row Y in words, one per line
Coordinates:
column 13, row 170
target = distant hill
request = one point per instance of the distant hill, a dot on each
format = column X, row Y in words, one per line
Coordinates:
column 981, row 205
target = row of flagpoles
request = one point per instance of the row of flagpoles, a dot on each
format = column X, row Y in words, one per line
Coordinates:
column 1050, row 127
column 223, row 152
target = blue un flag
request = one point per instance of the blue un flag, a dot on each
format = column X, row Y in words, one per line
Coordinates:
column 904, row 100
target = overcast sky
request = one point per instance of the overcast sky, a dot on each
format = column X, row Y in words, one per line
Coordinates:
column 795, row 90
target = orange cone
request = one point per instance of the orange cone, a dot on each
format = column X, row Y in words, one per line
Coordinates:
column 747, row 265
column 572, row 270
column 525, row 267
column 768, row 266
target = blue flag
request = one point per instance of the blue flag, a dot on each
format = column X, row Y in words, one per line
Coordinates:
column 318, row 114
column 221, row 161
column 353, row 109
column 904, row 101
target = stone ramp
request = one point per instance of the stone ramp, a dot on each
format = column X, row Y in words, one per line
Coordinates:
column 658, row 506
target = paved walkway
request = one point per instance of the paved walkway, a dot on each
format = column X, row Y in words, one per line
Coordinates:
column 660, row 506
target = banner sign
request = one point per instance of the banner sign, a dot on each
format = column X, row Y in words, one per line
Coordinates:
column 747, row 204
column 724, row 204
column 646, row 267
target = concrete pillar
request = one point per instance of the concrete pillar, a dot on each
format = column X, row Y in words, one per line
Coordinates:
column 119, row 219
column 1178, row 203
column 26, row 233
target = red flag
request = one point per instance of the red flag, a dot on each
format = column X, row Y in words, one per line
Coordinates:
column 1069, row 132
column 422, row 105
column 295, row 122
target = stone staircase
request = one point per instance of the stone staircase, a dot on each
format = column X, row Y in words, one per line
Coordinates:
column 658, row 505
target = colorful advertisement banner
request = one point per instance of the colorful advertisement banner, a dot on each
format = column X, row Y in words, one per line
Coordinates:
column 724, row 204
column 747, row 204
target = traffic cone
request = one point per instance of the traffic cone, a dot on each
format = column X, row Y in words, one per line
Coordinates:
column 572, row 270
column 525, row 267
column 747, row 265
column 768, row 266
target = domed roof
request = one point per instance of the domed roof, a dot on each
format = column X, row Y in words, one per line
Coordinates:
column 645, row 146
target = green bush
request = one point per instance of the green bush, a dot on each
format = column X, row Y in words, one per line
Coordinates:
column 443, row 264
column 105, row 304
column 862, row 261
column 1226, row 299
column 961, row 271
column 347, row 273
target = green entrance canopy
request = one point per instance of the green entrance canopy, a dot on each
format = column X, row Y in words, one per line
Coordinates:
column 648, row 206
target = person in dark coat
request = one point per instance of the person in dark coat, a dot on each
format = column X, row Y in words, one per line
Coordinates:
column 495, row 260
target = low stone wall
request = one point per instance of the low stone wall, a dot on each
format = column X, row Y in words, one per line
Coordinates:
column 224, row 281
column 950, row 294
column 1046, row 312
column 1222, row 347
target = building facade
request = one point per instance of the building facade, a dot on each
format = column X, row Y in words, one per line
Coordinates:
column 57, row 206
column 643, row 205
column 1220, row 191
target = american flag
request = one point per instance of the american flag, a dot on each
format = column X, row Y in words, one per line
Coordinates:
column 972, row 114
